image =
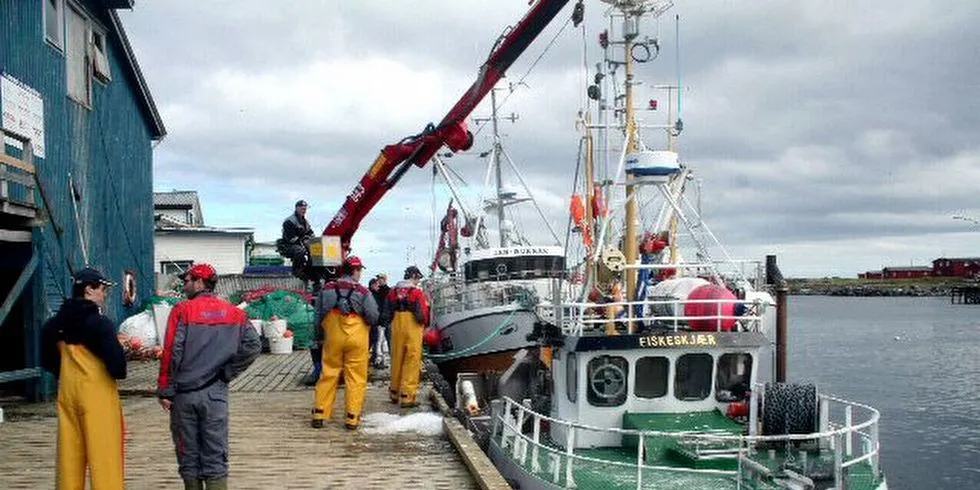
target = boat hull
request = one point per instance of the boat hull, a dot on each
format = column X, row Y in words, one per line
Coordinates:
column 483, row 340
column 514, row 473
column 518, row 477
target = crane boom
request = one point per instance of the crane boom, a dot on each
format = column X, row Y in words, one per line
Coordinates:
column 395, row 159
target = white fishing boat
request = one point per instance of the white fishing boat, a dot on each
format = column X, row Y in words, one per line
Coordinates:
column 655, row 368
column 487, row 291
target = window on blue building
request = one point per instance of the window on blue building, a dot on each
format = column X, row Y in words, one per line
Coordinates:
column 100, row 54
column 54, row 21
column 76, row 57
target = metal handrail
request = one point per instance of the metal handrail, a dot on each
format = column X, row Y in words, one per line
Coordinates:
column 575, row 319
column 459, row 296
column 839, row 440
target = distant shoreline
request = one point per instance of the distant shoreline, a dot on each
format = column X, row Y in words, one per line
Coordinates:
column 876, row 287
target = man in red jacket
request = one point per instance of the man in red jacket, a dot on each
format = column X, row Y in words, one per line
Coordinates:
column 407, row 310
column 208, row 343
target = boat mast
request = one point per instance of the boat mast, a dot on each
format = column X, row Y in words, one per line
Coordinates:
column 496, row 163
column 497, row 151
column 590, row 196
column 630, row 31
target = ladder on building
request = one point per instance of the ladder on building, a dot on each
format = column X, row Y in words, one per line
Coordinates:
column 18, row 216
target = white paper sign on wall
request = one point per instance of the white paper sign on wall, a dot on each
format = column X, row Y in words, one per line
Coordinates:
column 22, row 112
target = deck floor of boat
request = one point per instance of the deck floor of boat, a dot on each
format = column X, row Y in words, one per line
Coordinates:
column 615, row 469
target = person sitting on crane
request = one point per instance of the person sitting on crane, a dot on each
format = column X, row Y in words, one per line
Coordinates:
column 296, row 231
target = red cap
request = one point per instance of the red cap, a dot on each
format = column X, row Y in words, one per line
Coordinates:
column 354, row 262
column 200, row 271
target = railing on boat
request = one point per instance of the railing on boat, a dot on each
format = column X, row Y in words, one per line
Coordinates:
column 851, row 443
column 585, row 318
column 455, row 295
column 590, row 318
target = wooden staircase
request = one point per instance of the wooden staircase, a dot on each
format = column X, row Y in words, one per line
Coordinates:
column 18, row 216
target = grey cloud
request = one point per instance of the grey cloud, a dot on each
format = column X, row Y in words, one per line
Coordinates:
column 807, row 121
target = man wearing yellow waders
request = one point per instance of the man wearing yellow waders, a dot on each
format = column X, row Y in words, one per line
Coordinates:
column 79, row 346
column 208, row 343
column 346, row 311
column 408, row 313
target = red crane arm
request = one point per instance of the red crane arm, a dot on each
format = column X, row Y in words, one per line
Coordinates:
column 417, row 150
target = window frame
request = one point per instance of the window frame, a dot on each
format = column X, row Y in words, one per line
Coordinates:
column 59, row 6
column 571, row 377
column 666, row 378
column 180, row 265
column 97, row 30
column 747, row 375
column 594, row 398
column 86, row 58
column 678, row 380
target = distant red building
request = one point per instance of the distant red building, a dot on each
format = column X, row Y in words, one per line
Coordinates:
column 870, row 275
column 956, row 267
column 906, row 272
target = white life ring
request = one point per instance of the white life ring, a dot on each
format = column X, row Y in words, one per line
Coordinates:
column 129, row 288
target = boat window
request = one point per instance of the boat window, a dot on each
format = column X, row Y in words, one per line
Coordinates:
column 692, row 380
column 651, row 377
column 733, row 379
column 571, row 377
column 506, row 268
column 608, row 378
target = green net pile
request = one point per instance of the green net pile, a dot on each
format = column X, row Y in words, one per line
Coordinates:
column 289, row 306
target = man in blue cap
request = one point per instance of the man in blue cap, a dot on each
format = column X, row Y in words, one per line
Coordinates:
column 296, row 230
column 79, row 346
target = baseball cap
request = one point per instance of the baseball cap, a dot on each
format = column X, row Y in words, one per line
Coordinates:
column 89, row 275
column 354, row 262
column 300, row 203
column 200, row 271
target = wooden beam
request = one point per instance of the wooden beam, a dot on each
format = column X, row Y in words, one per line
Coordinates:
column 20, row 236
column 22, row 280
column 18, row 210
column 13, row 162
column 20, row 374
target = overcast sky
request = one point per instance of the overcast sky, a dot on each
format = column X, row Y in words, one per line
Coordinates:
column 841, row 136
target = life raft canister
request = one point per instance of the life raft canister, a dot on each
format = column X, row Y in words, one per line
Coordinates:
column 708, row 313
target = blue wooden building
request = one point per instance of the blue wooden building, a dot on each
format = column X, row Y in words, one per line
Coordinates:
column 76, row 170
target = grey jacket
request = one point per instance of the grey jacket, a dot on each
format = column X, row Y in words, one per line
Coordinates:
column 347, row 295
column 207, row 340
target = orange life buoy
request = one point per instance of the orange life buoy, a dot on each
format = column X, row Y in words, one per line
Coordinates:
column 129, row 288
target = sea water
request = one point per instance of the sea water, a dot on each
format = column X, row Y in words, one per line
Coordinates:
column 917, row 360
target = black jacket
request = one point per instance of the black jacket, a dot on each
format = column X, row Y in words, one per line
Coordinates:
column 79, row 322
column 381, row 297
column 295, row 228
